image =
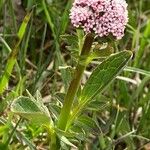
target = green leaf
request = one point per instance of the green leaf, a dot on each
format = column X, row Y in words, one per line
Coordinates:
column 137, row 70
column 66, row 141
column 86, row 123
column 49, row 18
column 13, row 55
column 101, row 51
column 143, row 43
column 31, row 109
column 99, row 80
column 104, row 74
column 65, row 18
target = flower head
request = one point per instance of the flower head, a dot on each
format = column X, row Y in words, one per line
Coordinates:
column 103, row 17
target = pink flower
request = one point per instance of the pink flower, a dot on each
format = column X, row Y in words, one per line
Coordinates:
column 103, row 17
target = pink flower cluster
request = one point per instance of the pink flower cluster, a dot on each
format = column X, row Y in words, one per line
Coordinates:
column 103, row 17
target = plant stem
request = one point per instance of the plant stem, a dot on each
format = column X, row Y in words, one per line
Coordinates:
column 53, row 144
column 74, row 85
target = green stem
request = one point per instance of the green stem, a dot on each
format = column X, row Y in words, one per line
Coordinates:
column 53, row 144
column 74, row 85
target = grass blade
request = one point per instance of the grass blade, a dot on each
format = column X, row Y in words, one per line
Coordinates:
column 13, row 55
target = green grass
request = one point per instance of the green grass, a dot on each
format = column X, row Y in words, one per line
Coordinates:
column 36, row 53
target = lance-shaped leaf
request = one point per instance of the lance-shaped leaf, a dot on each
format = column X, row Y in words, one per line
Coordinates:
column 104, row 74
column 13, row 55
column 99, row 80
column 31, row 109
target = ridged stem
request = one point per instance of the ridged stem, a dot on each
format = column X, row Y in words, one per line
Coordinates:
column 75, row 83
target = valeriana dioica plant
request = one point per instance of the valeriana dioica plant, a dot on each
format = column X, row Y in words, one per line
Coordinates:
column 99, row 19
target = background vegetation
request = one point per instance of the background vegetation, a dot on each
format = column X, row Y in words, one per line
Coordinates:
column 40, row 56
